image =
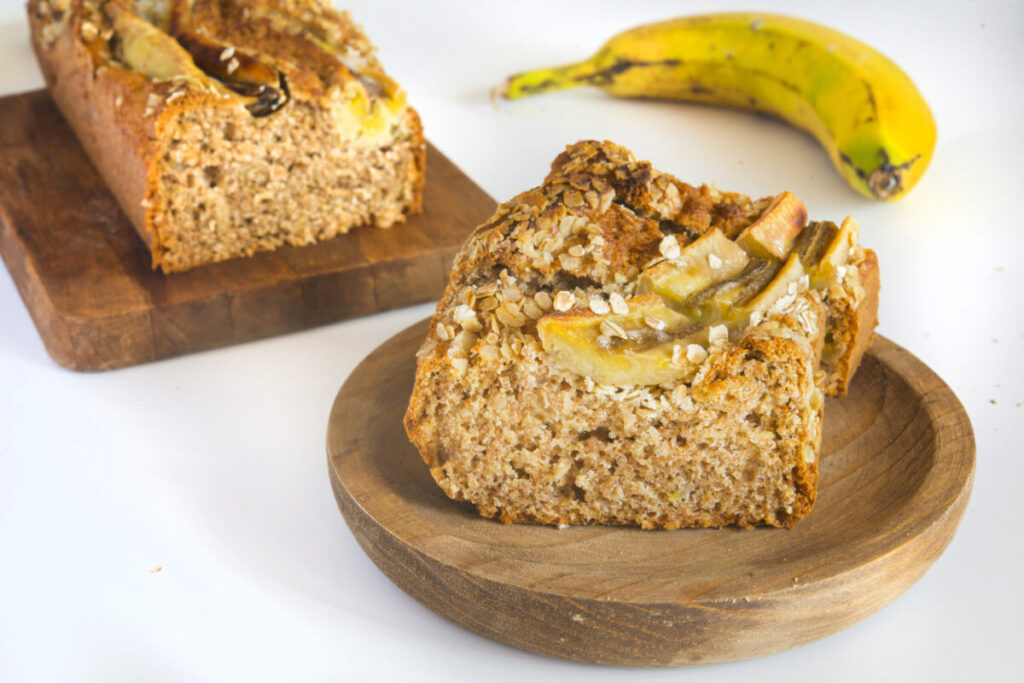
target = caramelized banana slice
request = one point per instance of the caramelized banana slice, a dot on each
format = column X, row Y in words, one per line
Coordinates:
column 814, row 241
column 240, row 71
column 756, row 289
column 646, row 346
column 838, row 253
column 726, row 300
column 786, row 282
column 773, row 233
column 708, row 260
column 150, row 51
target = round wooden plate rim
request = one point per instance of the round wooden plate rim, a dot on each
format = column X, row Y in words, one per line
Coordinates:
column 927, row 519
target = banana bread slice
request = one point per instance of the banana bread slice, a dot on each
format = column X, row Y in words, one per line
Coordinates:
column 619, row 347
column 227, row 127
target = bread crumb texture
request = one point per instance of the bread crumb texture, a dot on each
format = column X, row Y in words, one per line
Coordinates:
column 606, row 353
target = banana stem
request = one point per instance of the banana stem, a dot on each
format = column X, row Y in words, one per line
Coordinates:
column 549, row 80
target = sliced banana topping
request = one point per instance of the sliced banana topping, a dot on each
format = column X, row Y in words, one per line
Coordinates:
column 787, row 282
column 645, row 346
column 263, row 86
column 152, row 52
column 838, row 253
column 815, row 240
column 708, row 260
column 772, row 234
column 706, row 293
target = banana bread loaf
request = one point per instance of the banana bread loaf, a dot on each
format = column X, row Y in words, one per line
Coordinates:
column 227, row 127
column 619, row 347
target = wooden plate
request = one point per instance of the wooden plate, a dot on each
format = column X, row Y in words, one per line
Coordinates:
column 897, row 469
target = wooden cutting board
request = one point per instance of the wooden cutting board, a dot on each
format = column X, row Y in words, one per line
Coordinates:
column 897, row 466
column 86, row 279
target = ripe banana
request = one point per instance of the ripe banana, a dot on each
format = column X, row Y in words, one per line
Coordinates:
column 861, row 107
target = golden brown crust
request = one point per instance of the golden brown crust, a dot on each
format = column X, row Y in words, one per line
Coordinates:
column 115, row 137
column 417, row 173
column 598, row 197
column 688, row 211
column 859, row 325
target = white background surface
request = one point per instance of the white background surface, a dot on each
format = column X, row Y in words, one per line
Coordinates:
column 212, row 466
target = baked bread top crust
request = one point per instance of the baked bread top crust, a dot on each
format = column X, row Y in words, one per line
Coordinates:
column 600, row 199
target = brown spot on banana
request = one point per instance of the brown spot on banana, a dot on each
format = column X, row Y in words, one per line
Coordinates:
column 542, row 86
column 871, row 101
column 885, row 181
column 849, row 162
column 781, row 81
column 607, row 75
